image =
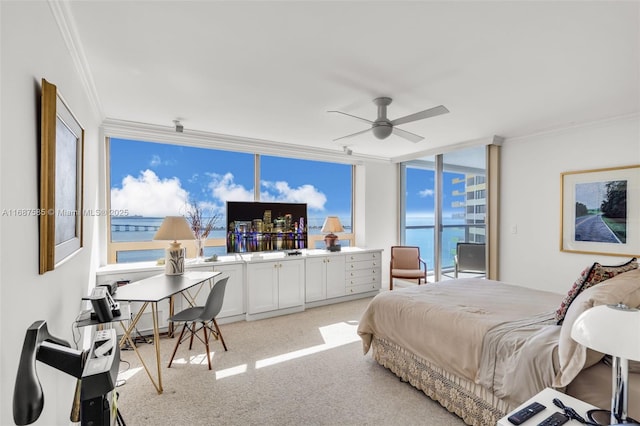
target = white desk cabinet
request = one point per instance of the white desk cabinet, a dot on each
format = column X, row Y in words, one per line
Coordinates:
column 267, row 284
column 363, row 272
column 273, row 285
column 234, row 293
column 324, row 277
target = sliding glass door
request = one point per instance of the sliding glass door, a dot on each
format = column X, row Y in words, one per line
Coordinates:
column 444, row 202
column 464, row 202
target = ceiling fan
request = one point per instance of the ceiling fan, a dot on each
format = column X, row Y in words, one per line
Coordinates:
column 382, row 127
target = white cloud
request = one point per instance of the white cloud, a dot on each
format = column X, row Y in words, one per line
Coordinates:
column 426, row 193
column 281, row 191
column 155, row 161
column 147, row 195
column 225, row 189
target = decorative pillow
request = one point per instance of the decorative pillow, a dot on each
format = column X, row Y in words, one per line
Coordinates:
column 591, row 276
column 573, row 357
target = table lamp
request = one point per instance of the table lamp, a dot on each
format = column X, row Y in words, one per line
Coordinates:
column 174, row 228
column 332, row 224
column 613, row 330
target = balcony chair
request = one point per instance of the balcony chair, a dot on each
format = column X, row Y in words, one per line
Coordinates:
column 407, row 264
column 470, row 257
column 203, row 318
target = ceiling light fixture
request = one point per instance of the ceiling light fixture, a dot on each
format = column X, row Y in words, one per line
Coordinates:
column 179, row 126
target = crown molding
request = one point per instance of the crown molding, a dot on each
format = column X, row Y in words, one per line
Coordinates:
column 493, row 140
column 64, row 19
column 167, row 134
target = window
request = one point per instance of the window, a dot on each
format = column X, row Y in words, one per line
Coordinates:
column 450, row 200
column 148, row 181
column 325, row 187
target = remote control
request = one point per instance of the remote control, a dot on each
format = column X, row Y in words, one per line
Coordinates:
column 526, row 413
column 556, row 419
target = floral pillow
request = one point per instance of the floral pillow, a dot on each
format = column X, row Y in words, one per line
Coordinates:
column 591, row 276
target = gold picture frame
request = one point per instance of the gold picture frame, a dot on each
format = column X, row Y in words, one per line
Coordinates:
column 600, row 211
column 61, row 179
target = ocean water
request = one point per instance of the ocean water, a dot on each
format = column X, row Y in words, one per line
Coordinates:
column 124, row 229
column 136, row 228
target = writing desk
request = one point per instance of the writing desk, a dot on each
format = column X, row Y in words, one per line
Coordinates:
column 149, row 292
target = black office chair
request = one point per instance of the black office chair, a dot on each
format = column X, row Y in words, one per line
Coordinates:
column 203, row 318
column 470, row 257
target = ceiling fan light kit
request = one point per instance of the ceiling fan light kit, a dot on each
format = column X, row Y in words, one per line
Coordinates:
column 382, row 127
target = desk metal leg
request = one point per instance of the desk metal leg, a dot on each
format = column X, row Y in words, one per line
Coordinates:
column 127, row 337
column 156, row 342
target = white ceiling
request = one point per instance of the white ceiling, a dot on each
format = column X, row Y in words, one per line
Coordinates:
column 271, row 70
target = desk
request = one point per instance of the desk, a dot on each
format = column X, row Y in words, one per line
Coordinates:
column 545, row 397
column 150, row 291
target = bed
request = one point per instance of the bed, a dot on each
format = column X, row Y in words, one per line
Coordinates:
column 482, row 347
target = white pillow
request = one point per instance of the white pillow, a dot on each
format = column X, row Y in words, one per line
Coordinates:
column 573, row 357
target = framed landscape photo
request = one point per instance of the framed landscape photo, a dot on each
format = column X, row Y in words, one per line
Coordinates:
column 601, row 211
column 61, row 179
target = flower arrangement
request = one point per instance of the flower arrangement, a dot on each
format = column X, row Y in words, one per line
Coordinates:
column 201, row 223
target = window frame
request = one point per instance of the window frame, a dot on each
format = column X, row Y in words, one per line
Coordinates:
column 112, row 248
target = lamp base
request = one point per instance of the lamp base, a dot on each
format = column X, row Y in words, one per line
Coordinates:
column 330, row 241
column 174, row 261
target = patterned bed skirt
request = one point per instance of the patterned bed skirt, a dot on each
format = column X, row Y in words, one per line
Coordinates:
column 474, row 404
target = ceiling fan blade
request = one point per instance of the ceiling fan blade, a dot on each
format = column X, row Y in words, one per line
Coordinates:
column 412, row 137
column 431, row 112
column 353, row 134
column 354, row 116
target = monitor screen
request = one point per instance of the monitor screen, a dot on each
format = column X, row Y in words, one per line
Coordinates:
column 263, row 226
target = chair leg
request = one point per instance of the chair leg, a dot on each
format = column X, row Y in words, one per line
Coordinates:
column 193, row 332
column 215, row 323
column 177, row 344
column 205, row 331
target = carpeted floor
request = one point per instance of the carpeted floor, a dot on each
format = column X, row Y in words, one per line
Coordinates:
column 299, row 369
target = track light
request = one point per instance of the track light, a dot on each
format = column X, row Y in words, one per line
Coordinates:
column 179, row 126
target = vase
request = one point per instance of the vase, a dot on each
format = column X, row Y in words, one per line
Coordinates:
column 200, row 248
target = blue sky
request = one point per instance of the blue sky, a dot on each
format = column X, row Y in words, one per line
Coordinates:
column 155, row 179
column 420, row 195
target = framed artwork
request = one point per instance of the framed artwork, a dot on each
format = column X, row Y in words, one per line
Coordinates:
column 61, row 180
column 601, row 211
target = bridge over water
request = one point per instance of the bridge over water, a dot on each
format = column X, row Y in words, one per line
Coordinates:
column 129, row 227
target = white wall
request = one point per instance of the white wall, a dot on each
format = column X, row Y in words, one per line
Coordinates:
column 530, row 198
column 377, row 189
column 32, row 48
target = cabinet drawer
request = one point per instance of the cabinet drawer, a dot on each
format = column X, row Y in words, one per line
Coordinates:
column 358, row 257
column 363, row 264
column 365, row 272
column 362, row 288
column 356, row 281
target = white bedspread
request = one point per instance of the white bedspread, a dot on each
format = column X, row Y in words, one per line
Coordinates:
column 446, row 324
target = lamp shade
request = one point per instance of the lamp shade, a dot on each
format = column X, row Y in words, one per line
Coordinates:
column 610, row 329
column 174, row 228
column 332, row 224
